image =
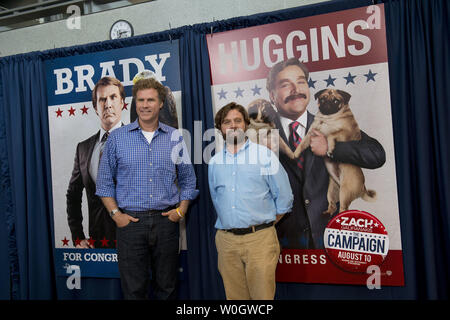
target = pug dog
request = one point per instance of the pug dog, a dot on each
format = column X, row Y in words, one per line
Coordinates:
column 262, row 118
column 337, row 123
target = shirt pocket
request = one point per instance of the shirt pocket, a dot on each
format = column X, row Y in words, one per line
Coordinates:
column 250, row 174
column 251, row 182
column 132, row 159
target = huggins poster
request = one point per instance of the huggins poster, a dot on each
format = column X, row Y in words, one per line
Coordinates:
column 324, row 75
column 84, row 232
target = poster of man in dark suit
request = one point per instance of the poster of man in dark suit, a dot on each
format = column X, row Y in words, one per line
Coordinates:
column 108, row 98
column 303, row 228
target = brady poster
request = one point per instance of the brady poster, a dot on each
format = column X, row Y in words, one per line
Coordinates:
column 323, row 76
column 84, row 234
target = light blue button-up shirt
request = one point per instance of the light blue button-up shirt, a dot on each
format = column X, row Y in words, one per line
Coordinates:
column 248, row 188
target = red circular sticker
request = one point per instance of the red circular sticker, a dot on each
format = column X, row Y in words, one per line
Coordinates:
column 355, row 240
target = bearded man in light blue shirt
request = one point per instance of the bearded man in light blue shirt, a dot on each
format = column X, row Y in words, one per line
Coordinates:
column 251, row 192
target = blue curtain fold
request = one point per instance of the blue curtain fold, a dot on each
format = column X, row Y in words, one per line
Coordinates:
column 204, row 279
column 27, row 141
column 418, row 49
column 8, row 252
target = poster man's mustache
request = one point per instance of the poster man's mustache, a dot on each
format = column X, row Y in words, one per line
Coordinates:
column 294, row 96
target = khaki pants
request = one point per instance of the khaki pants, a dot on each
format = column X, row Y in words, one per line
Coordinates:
column 247, row 263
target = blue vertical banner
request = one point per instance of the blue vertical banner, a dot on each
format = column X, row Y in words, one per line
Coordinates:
column 72, row 122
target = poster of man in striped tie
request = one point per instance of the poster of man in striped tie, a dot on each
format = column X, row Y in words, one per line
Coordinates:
column 287, row 84
column 276, row 70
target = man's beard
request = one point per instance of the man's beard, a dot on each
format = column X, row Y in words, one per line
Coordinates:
column 235, row 139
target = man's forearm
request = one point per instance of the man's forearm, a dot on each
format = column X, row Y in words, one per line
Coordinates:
column 109, row 203
column 121, row 219
column 366, row 153
column 184, row 205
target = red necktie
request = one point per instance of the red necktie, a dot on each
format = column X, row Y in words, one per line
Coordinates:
column 294, row 141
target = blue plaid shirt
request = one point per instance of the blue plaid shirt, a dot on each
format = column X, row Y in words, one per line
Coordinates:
column 141, row 176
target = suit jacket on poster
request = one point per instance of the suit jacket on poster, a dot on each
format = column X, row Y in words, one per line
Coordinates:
column 305, row 225
column 101, row 226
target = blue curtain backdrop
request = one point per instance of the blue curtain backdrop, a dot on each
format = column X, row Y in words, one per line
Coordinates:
column 418, row 48
column 417, row 37
column 7, row 238
column 204, row 279
column 27, row 145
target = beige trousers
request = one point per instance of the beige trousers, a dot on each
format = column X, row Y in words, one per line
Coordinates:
column 247, row 263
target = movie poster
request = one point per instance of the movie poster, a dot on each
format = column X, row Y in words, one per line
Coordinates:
column 74, row 125
column 345, row 87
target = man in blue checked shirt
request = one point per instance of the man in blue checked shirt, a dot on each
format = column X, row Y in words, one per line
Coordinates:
column 146, row 182
column 251, row 192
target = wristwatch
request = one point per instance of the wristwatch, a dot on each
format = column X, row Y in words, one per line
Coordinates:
column 329, row 155
column 113, row 212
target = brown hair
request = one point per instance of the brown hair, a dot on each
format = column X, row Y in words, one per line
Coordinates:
column 222, row 113
column 104, row 82
column 150, row 83
column 276, row 69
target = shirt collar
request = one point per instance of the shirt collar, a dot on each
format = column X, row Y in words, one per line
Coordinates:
column 102, row 131
column 161, row 126
column 303, row 120
column 241, row 149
